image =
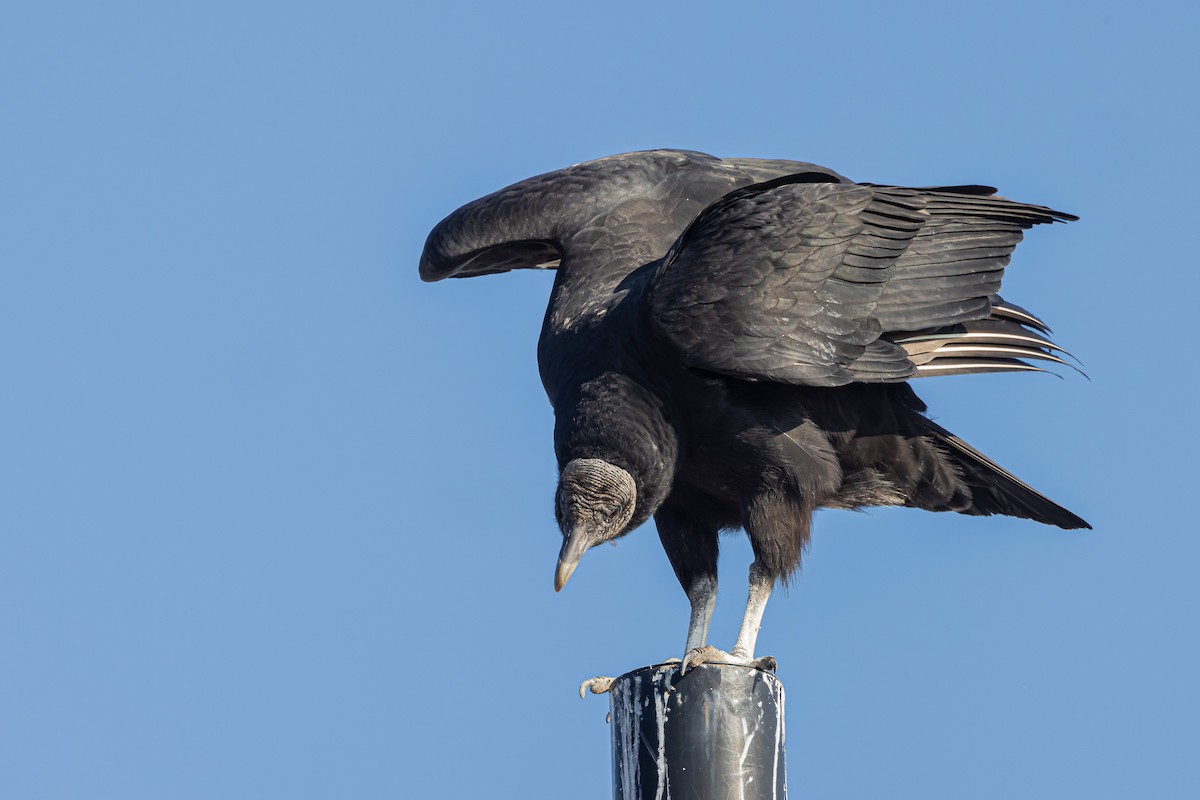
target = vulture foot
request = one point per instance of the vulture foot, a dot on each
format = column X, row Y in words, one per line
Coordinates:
column 711, row 655
column 597, row 685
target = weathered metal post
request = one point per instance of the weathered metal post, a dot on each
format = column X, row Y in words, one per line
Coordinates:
column 716, row 732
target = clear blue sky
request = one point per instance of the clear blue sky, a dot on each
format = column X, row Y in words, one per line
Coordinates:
column 276, row 519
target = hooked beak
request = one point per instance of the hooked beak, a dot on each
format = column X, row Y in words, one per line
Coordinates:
column 574, row 546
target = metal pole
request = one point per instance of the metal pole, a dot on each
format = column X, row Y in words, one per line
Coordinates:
column 717, row 732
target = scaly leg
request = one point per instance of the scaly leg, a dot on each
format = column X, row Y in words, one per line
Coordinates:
column 702, row 594
column 761, row 583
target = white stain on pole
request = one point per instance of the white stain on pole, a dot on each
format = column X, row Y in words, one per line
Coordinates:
column 718, row 727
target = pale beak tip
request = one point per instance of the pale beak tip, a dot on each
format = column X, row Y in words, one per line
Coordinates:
column 562, row 575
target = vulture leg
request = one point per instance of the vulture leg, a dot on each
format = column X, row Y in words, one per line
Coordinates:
column 691, row 548
column 702, row 594
column 761, row 583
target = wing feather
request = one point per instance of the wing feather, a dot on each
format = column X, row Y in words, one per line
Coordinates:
column 823, row 284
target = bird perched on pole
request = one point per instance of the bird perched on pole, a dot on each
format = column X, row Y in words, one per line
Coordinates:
column 729, row 344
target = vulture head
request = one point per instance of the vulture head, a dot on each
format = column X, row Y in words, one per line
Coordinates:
column 594, row 503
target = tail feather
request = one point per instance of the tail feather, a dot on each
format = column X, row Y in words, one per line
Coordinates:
column 995, row 490
column 1001, row 342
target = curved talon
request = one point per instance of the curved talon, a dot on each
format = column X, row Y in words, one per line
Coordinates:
column 699, row 655
column 598, row 685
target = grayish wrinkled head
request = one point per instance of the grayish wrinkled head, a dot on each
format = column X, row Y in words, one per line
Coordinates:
column 594, row 503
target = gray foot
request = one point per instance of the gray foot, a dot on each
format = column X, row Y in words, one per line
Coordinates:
column 597, row 685
column 711, row 655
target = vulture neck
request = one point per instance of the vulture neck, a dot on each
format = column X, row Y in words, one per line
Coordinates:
column 616, row 418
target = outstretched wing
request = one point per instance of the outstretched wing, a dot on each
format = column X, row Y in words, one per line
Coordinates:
column 803, row 281
column 533, row 224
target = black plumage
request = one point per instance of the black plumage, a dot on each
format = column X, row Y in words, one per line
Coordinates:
column 729, row 344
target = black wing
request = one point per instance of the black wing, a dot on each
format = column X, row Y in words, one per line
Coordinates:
column 803, row 281
column 532, row 224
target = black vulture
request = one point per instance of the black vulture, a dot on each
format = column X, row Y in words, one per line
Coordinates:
column 729, row 342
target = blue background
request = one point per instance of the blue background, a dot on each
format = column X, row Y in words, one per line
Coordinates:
column 275, row 517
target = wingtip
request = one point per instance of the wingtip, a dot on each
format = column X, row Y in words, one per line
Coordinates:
column 428, row 270
column 1074, row 523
